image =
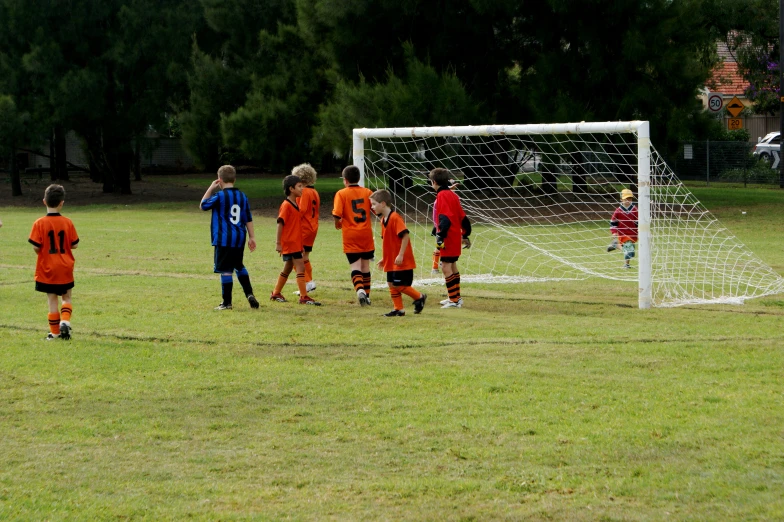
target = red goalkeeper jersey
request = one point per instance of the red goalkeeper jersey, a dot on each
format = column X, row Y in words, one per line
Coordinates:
column 624, row 222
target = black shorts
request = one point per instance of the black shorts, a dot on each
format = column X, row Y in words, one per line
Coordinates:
column 228, row 259
column 451, row 259
column 353, row 257
column 293, row 255
column 53, row 289
column 401, row 277
column 308, row 248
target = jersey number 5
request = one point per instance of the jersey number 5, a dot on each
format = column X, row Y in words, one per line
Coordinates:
column 361, row 214
column 53, row 245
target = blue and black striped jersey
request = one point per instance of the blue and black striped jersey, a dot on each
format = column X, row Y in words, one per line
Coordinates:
column 230, row 213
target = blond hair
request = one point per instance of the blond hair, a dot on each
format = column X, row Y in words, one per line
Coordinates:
column 306, row 173
column 227, row 174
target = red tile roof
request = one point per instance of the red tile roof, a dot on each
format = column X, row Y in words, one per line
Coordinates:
column 727, row 80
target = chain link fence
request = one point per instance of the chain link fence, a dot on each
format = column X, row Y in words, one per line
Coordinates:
column 722, row 161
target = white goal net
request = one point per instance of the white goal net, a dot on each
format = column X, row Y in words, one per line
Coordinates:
column 540, row 199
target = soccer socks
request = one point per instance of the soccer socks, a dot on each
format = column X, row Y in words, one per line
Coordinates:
column 397, row 299
column 410, row 292
column 302, row 285
column 453, row 286
column 54, row 323
column 357, row 280
column 366, row 283
column 227, row 285
column 308, row 271
column 282, row 278
column 65, row 312
column 244, row 279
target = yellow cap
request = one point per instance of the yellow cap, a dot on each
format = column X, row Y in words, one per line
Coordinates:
column 626, row 193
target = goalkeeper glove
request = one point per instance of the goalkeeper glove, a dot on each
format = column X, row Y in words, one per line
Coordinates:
column 439, row 242
column 466, row 243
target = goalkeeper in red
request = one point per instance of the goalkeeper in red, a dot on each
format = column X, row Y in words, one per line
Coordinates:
column 451, row 229
column 623, row 226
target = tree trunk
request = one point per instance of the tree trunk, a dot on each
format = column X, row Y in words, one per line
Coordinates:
column 16, row 182
column 52, row 162
column 60, row 159
column 137, row 160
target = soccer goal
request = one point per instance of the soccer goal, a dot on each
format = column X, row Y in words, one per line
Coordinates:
column 540, row 199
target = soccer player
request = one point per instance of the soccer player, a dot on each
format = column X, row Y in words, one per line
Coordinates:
column 309, row 206
column 351, row 211
column 451, row 229
column 231, row 225
column 288, row 242
column 54, row 238
column 398, row 257
column 623, row 227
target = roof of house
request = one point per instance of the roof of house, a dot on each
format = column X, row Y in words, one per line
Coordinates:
column 726, row 77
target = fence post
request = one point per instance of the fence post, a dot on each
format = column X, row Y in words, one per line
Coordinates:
column 707, row 163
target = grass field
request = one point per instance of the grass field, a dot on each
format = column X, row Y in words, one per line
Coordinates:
column 534, row 402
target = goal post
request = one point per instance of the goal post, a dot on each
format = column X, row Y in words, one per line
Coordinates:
column 540, row 197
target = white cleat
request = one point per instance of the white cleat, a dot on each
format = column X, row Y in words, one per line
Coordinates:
column 453, row 304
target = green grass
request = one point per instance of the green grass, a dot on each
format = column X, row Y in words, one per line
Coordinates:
column 553, row 401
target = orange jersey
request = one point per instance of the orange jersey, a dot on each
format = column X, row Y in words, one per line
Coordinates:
column 55, row 235
column 309, row 205
column 352, row 204
column 393, row 229
column 291, row 237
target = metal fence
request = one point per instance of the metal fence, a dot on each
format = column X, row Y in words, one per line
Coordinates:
column 721, row 161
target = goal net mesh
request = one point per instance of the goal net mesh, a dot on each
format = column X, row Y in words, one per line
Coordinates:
column 540, row 206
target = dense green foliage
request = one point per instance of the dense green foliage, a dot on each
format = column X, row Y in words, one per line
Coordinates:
column 276, row 82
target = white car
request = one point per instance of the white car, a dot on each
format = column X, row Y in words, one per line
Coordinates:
column 765, row 146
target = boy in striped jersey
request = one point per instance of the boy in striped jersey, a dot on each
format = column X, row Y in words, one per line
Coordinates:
column 398, row 257
column 231, row 225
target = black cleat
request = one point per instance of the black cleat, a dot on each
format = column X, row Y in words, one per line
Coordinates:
column 419, row 304
column 65, row 332
column 254, row 303
column 395, row 313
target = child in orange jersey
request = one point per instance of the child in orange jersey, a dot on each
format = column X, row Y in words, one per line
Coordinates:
column 351, row 211
column 398, row 257
column 53, row 238
column 288, row 242
column 309, row 205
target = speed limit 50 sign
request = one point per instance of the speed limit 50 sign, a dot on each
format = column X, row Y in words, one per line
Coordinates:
column 715, row 101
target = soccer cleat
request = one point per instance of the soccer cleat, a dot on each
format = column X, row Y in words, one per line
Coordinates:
column 307, row 300
column 277, row 297
column 254, row 303
column 310, row 286
column 419, row 304
column 51, row 337
column 443, row 302
column 612, row 247
column 454, row 304
column 627, row 266
column 395, row 313
column 223, row 306
column 65, row 331
column 363, row 298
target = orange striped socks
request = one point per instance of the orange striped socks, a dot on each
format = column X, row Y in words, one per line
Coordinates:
column 54, row 323
column 303, row 292
column 65, row 312
column 282, row 278
column 356, row 280
column 410, row 292
column 453, row 286
column 397, row 299
column 308, row 271
column 366, row 282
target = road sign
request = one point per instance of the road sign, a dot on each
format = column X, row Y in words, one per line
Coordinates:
column 776, row 159
column 715, row 101
column 735, row 106
column 734, row 123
